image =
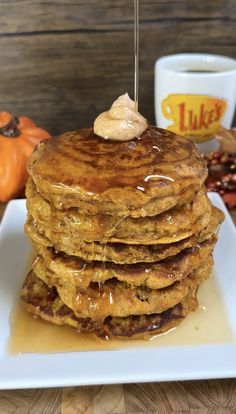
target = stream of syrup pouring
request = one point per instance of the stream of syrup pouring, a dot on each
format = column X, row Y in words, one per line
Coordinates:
column 136, row 53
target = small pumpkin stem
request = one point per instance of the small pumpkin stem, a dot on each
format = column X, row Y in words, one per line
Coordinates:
column 10, row 130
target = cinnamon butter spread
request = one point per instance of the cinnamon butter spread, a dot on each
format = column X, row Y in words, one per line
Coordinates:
column 122, row 122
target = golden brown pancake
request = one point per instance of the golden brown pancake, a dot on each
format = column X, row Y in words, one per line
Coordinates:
column 118, row 252
column 74, row 271
column 80, row 169
column 44, row 302
column 174, row 225
column 114, row 298
column 124, row 232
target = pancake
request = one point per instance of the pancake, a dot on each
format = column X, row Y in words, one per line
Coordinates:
column 117, row 252
column 71, row 270
column 123, row 230
column 114, row 298
column 174, row 225
column 44, row 302
column 145, row 176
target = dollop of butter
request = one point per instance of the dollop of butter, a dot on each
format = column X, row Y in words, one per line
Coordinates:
column 122, row 122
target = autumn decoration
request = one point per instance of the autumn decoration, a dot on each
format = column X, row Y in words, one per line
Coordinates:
column 18, row 137
column 222, row 167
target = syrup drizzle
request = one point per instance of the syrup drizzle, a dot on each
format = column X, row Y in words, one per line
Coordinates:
column 136, row 53
column 30, row 334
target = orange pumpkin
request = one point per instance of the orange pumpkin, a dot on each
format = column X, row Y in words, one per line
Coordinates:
column 18, row 137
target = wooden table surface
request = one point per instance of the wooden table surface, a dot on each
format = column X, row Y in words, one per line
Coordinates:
column 193, row 397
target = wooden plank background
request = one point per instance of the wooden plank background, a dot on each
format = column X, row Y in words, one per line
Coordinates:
column 63, row 61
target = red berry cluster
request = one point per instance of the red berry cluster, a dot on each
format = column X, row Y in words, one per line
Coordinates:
column 222, row 172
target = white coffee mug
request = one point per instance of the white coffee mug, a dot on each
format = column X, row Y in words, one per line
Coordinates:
column 195, row 93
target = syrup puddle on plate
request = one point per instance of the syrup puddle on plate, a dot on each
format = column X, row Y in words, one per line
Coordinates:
column 207, row 325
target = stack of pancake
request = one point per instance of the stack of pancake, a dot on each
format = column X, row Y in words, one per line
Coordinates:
column 123, row 231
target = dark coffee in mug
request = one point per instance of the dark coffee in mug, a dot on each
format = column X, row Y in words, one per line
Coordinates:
column 199, row 71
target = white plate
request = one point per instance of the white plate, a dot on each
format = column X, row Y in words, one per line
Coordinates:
column 139, row 364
